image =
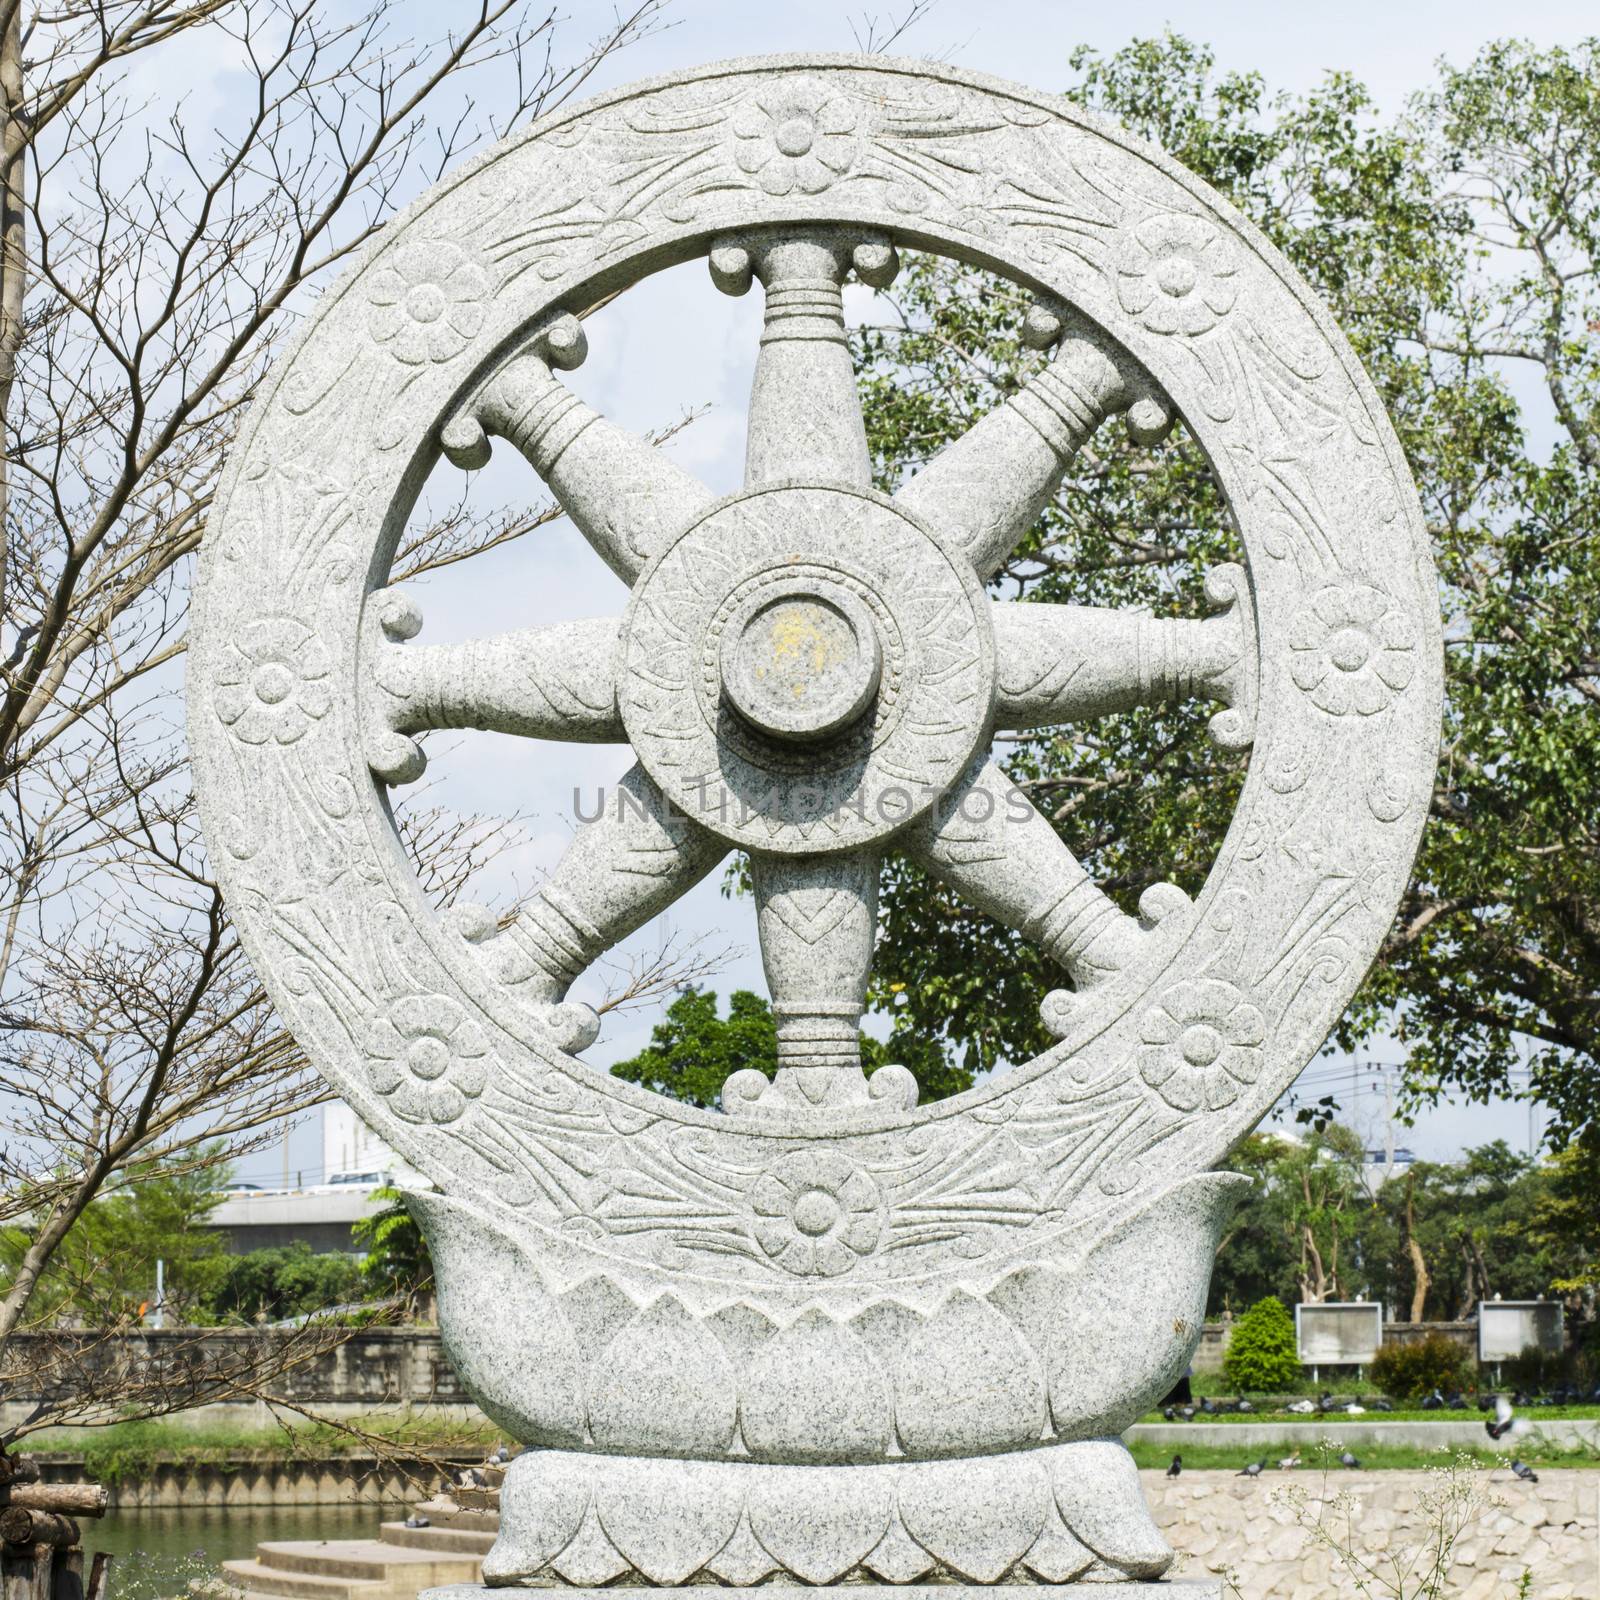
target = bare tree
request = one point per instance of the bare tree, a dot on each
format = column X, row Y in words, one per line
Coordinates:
column 150, row 265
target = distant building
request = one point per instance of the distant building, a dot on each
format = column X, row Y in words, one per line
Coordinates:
column 1377, row 1168
column 355, row 1163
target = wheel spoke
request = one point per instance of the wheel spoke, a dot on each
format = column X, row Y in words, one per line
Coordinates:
column 624, row 495
column 987, row 488
column 557, row 682
column 627, row 865
column 1070, row 663
column 817, row 917
column 805, row 414
column 989, row 842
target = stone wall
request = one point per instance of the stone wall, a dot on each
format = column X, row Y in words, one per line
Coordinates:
column 1221, row 1522
column 374, row 1366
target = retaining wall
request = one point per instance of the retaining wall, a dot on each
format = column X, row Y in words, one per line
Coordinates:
column 1222, row 1523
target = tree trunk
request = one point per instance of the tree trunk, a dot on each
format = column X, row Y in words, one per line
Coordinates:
column 1419, row 1266
column 13, row 150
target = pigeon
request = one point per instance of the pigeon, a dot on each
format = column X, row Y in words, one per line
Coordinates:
column 1170, row 1413
column 1187, row 1413
column 1176, row 1467
column 1504, row 1421
column 1524, row 1471
column 1434, row 1402
column 1486, row 1402
column 1354, row 1410
column 1325, row 1401
column 1457, row 1401
column 1207, row 1406
column 1348, row 1460
column 418, row 1522
column 502, row 1454
column 1302, row 1408
column 1381, row 1404
column 1289, row 1463
column 1244, row 1405
column 1251, row 1469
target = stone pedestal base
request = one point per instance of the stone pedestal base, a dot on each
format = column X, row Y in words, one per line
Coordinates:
column 1193, row 1589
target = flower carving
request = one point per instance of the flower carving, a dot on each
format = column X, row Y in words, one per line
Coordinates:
column 1202, row 1041
column 795, row 134
column 428, row 1058
column 1176, row 274
column 1352, row 649
column 273, row 681
column 815, row 1213
column 427, row 301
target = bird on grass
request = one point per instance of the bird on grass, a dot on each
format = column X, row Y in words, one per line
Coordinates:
column 1505, row 1420
column 1176, row 1467
column 1354, row 1410
column 1244, row 1405
column 1524, row 1471
column 1186, row 1412
column 1381, row 1404
column 1434, row 1402
column 1251, row 1469
column 1348, row 1460
column 1208, row 1406
column 1301, row 1408
column 1289, row 1463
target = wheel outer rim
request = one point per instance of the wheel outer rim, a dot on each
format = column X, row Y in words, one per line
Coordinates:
column 308, row 513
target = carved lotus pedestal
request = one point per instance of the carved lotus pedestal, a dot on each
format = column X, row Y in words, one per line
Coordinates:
column 821, row 1334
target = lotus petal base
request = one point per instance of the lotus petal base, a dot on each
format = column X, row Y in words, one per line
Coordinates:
column 1059, row 1513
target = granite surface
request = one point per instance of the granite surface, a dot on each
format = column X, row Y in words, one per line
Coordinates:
column 821, row 1275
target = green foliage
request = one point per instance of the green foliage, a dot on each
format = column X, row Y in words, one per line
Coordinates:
column 396, row 1260
column 286, row 1280
column 1261, row 1354
column 693, row 1051
column 1416, row 1368
column 1457, row 247
column 105, row 1269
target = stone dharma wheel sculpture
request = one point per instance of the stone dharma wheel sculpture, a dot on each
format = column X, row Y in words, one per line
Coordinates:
column 825, row 1333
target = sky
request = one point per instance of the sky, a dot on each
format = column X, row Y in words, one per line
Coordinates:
column 674, row 346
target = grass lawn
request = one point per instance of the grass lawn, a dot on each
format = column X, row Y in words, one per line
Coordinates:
column 1533, row 1414
column 1378, row 1457
column 126, row 1451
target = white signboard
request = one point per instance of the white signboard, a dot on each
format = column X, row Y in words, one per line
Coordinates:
column 1508, row 1327
column 1338, row 1333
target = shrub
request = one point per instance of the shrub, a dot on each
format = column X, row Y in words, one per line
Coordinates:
column 1261, row 1354
column 1407, row 1371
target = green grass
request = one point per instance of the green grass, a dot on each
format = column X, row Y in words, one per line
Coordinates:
column 126, row 1451
column 1533, row 1414
column 1377, row 1457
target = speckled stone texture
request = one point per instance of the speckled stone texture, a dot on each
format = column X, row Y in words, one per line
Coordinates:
column 1220, row 1523
column 820, row 1277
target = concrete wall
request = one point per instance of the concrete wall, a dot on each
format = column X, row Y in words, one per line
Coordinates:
column 1222, row 1523
column 373, row 1367
column 1214, row 1339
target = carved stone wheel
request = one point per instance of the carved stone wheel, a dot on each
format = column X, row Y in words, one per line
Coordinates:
column 811, row 671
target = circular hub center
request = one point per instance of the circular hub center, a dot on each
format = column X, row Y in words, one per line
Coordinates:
column 803, row 664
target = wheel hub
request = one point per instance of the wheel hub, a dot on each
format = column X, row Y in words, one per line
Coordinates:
column 807, row 668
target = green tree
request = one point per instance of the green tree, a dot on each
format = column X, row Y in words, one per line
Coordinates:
column 1457, row 248
column 1261, row 1357
column 396, row 1260
column 693, row 1050
column 286, row 1280
column 104, row 1272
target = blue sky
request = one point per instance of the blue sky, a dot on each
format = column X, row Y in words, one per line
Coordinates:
column 673, row 344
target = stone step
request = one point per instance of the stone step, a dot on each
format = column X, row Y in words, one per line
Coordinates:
column 253, row 1578
column 440, row 1537
column 369, row 1560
